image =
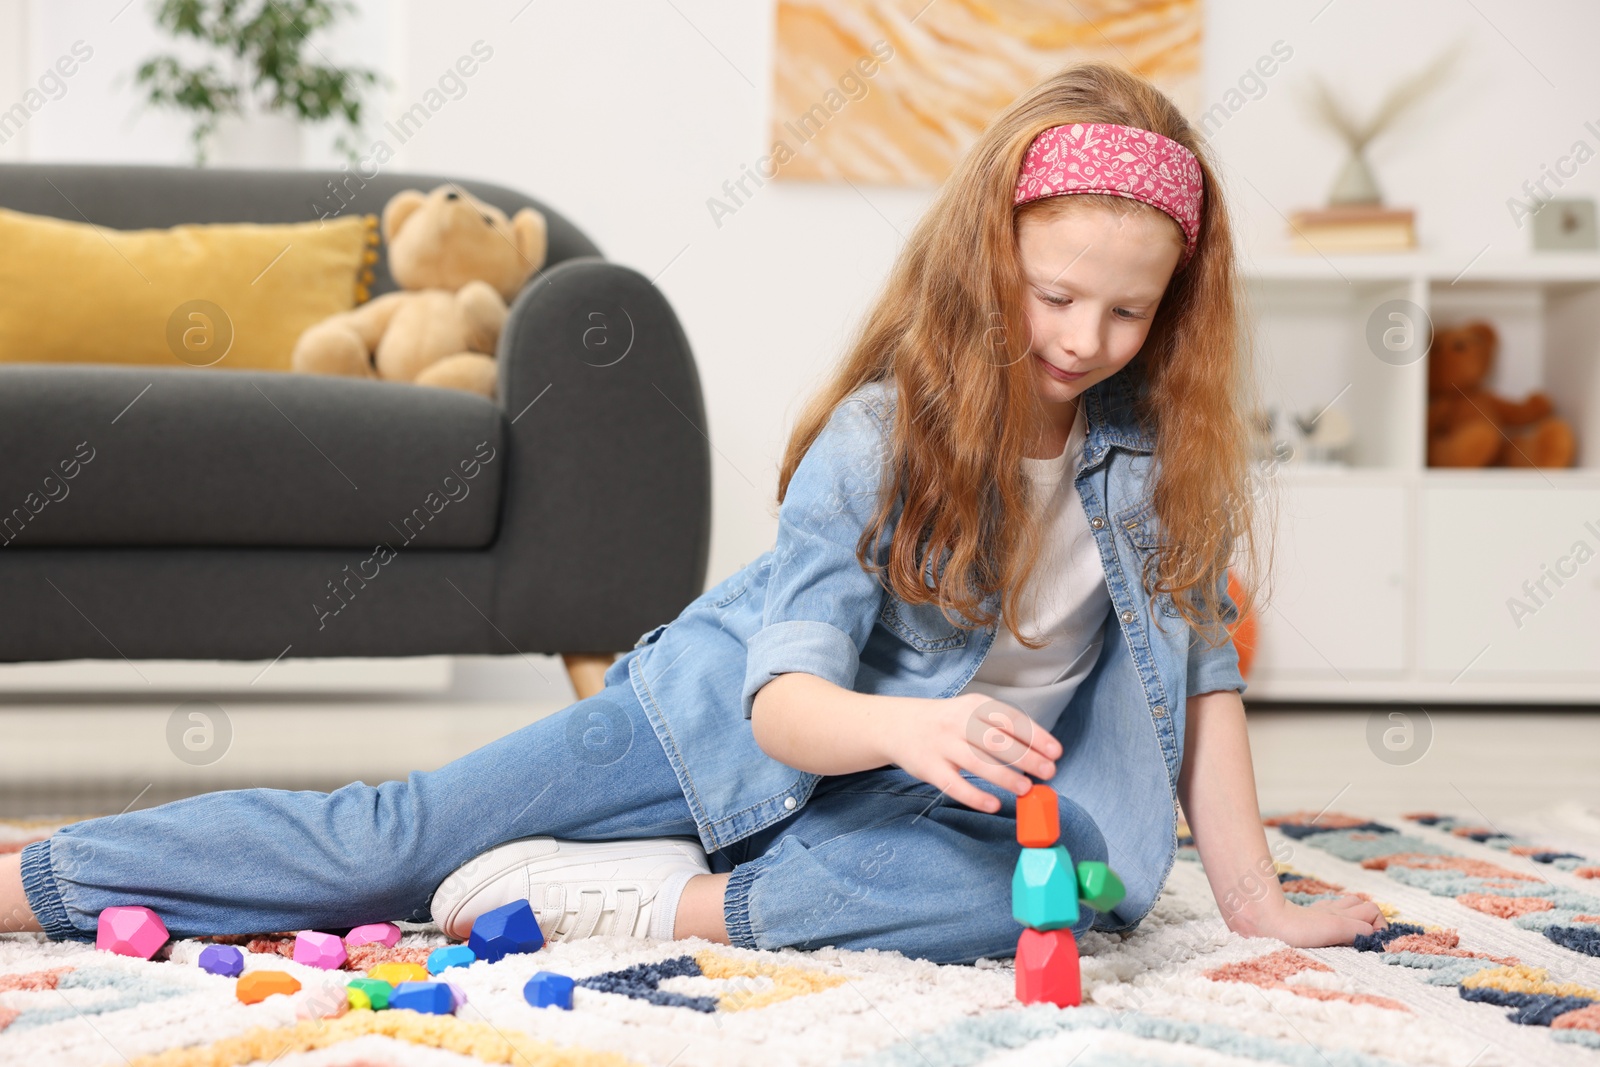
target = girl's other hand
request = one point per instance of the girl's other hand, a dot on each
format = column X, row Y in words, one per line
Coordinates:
column 1338, row 921
column 936, row 739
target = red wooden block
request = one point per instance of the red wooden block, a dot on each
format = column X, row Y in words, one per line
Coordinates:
column 1047, row 968
column 1038, row 817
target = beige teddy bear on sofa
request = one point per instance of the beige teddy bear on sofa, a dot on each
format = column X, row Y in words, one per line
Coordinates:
column 458, row 262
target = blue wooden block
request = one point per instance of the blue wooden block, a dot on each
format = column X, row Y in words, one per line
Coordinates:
column 549, row 990
column 1044, row 889
column 441, row 959
column 222, row 959
column 430, row 998
column 507, row 929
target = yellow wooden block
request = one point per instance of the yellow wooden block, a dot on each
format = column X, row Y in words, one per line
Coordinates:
column 395, row 973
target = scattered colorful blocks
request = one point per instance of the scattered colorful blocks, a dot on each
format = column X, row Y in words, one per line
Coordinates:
column 441, row 959
column 369, row 993
column 386, row 934
column 507, row 929
column 1047, row 968
column 1044, row 889
column 316, row 949
column 1098, row 885
column 549, row 990
column 257, row 986
column 458, row 994
column 222, row 959
column 431, row 998
column 398, row 973
column 130, row 930
column 1038, row 817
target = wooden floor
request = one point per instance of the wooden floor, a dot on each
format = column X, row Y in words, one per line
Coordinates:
column 1482, row 761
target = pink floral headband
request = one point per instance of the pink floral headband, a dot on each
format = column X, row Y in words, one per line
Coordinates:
column 1121, row 160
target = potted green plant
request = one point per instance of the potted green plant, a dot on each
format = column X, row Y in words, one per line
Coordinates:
column 261, row 64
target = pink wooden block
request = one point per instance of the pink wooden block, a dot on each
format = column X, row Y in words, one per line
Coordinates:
column 387, row 934
column 328, row 1001
column 130, row 930
column 316, row 949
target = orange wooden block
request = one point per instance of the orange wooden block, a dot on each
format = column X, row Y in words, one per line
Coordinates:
column 257, row 986
column 1047, row 968
column 1038, row 817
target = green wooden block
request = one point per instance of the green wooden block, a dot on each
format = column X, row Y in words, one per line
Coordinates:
column 1044, row 890
column 1098, row 886
column 369, row 993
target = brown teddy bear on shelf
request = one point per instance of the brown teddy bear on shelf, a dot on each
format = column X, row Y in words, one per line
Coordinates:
column 1468, row 426
column 458, row 261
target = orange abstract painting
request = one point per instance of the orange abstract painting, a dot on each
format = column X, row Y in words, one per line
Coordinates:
column 893, row 91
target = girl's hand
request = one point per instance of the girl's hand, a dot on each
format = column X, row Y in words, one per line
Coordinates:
column 1325, row 922
column 936, row 739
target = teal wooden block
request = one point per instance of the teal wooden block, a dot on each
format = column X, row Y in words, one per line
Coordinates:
column 1098, row 886
column 1044, row 889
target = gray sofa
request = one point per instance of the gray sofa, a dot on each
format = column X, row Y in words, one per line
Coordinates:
column 222, row 514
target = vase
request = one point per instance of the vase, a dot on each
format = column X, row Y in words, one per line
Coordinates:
column 1355, row 184
column 256, row 140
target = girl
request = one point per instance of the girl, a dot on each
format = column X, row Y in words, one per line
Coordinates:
column 1002, row 552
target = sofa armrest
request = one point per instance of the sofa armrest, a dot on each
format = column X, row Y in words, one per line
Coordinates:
column 605, row 524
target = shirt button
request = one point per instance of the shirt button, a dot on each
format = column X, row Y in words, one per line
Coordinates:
column 1097, row 522
column 1127, row 616
column 1159, row 710
column 788, row 803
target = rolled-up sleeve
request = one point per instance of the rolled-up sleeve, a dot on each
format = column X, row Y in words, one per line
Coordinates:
column 1212, row 669
column 820, row 603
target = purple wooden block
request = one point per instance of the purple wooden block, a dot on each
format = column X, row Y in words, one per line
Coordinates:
column 457, row 994
column 222, row 959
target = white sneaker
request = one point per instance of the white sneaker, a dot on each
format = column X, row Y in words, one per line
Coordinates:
column 576, row 888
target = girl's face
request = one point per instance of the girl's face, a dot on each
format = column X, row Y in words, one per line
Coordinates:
column 1094, row 278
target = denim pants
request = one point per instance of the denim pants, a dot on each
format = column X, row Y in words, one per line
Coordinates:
column 874, row 860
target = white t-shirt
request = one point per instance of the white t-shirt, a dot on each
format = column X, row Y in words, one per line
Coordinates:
column 1067, row 600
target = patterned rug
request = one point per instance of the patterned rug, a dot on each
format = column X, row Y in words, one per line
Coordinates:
column 1492, row 957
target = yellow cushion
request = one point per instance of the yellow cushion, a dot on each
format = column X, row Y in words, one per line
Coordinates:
column 229, row 295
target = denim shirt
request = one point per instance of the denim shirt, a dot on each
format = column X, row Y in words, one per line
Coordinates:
column 807, row 605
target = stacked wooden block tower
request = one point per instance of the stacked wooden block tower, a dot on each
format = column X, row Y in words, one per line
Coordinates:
column 1045, row 892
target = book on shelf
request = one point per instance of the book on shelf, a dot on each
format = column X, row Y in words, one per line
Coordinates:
column 1354, row 228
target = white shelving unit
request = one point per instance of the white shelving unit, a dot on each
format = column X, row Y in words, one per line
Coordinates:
column 1397, row 582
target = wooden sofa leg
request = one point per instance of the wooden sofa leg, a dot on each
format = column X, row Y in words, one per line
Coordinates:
column 588, row 671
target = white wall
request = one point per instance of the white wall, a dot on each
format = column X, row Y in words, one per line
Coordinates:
column 98, row 117
column 1520, row 96
column 628, row 114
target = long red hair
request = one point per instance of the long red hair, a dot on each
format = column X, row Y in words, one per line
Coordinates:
column 950, row 327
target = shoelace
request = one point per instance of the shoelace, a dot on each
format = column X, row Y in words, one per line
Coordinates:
column 592, row 907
